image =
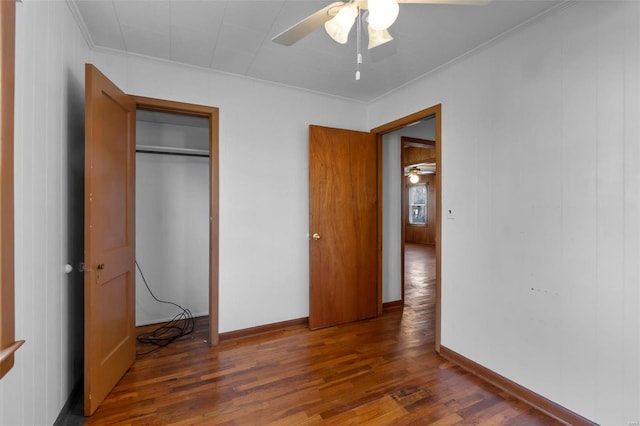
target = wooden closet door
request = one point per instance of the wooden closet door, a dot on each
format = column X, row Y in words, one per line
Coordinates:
column 109, row 251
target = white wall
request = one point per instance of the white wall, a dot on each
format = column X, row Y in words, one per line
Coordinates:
column 49, row 156
column 540, row 271
column 172, row 235
column 172, row 135
column 391, row 218
column 426, row 129
column 264, row 210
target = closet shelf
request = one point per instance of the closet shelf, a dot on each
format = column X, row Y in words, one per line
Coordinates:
column 167, row 150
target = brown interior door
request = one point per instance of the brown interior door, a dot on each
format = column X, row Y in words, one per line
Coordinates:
column 109, row 247
column 343, row 220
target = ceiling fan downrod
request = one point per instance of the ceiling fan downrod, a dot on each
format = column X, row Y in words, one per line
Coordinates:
column 358, row 51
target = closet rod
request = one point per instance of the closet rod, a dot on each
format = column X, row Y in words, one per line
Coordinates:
column 187, row 152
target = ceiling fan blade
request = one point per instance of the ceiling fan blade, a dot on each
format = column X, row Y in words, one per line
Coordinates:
column 307, row 25
column 460, row 2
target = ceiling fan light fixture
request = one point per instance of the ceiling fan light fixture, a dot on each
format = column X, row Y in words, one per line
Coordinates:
column 382, row 13
column 378, row 37
column 414, row 175
column 339, row 26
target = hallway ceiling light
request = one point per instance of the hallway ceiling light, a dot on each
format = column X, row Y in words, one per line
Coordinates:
column 414, row 175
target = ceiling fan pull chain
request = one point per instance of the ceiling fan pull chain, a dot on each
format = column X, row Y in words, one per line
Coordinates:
column 358, row 54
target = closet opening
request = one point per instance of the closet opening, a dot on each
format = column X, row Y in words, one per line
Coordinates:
column 173, row 223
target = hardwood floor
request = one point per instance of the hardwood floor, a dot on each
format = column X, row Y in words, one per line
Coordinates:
column 380, row 371
column 420, row 287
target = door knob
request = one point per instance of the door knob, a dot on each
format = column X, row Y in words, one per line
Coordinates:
column 83, row 268
column 316, row 236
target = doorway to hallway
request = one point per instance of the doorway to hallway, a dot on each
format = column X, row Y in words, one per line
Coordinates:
column 425, row 125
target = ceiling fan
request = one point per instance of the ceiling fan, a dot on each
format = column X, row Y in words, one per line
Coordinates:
column 413, row 172
column 338, row 19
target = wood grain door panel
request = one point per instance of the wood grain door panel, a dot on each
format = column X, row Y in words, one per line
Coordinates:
column 343, row 212
column 109, row 237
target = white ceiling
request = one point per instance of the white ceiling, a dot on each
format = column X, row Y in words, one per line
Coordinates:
column 235, row 37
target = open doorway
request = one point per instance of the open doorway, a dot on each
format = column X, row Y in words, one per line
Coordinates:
column 422, row 127
column 418, row 183
column 177, row 211
column 172, row 222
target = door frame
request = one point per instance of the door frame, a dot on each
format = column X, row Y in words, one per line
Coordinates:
column 212, row 113
column 436, row 112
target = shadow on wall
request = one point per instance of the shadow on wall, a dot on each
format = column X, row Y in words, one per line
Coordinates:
column 75, row 225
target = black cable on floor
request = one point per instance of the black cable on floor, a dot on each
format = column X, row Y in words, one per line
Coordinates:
column 180, row 325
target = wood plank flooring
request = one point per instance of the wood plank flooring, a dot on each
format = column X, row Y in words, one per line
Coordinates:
column 378, row 372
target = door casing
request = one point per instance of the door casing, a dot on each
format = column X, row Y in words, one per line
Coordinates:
column 435, row 112
column 212, row 114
